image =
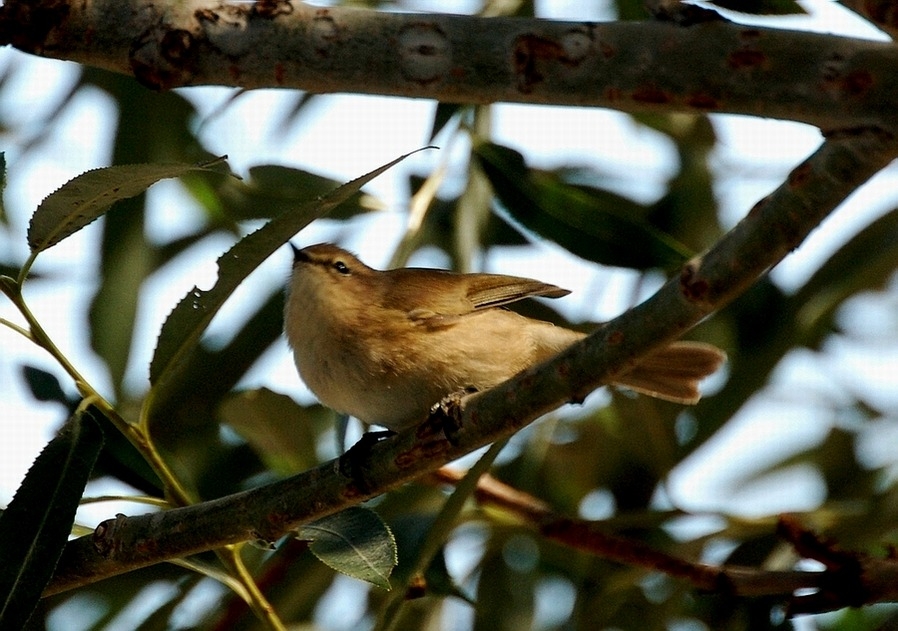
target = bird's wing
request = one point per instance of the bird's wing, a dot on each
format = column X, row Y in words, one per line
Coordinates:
column 494, row 290
column 438, row 298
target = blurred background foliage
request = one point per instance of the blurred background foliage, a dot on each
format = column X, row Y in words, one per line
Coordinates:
column 609, row 460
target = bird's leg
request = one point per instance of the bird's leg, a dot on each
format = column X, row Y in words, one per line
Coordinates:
column 448, row 412
column 352, row 463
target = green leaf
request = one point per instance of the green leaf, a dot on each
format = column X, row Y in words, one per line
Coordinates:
column 689, row 210
column 194, row 394
column 762, row 7
column 35, row 526
column 121, row 460
column 595, row 224
column 44, row 386
column 631, row 9
column 10, row 287
column 270, row 190
column 280, row 430
column 184, row 326
column 506, row 597
column 355, row 542
column 86, row 197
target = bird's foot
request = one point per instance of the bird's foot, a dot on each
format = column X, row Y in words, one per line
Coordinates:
column 448, row 414
column 353, row 463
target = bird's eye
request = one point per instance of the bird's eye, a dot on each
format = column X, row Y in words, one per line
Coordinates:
column 340, row 266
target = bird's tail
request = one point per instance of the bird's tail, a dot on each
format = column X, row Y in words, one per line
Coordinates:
column 674, row 372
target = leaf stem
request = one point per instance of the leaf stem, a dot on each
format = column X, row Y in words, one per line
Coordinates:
column 135, row 434
column 38, row 335
column 18, row 329
column 26, row 267
column 230, row 557
column 137, row 499
column 139, row 436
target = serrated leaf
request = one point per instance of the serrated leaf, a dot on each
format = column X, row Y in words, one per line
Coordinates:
column 184, row 326
column 594, row 224
column 762, row 7
column 86, row 197
column 35, row 526
column 355, row 542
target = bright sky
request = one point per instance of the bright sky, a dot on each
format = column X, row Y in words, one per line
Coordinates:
column 754, row 154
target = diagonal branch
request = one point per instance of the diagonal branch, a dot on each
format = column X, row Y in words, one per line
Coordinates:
column 849, row 579
column 590, row 537
column 774, row 227
column 712, row 65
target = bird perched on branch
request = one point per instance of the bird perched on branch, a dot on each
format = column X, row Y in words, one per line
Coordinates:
column 386, row 346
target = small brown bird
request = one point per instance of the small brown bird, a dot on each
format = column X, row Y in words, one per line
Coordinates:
column 385, row 346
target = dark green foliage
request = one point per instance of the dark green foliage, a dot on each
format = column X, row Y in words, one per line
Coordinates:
column 355, row 542
column 592, row 223
column 36, row 524
column 44, row 386
column 223, row 436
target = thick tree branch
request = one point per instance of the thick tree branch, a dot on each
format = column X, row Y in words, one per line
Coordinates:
column 774, row 227
column 709, row 66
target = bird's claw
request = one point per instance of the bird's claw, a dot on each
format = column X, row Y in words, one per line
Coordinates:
column 352, row 464
column 448, row 414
